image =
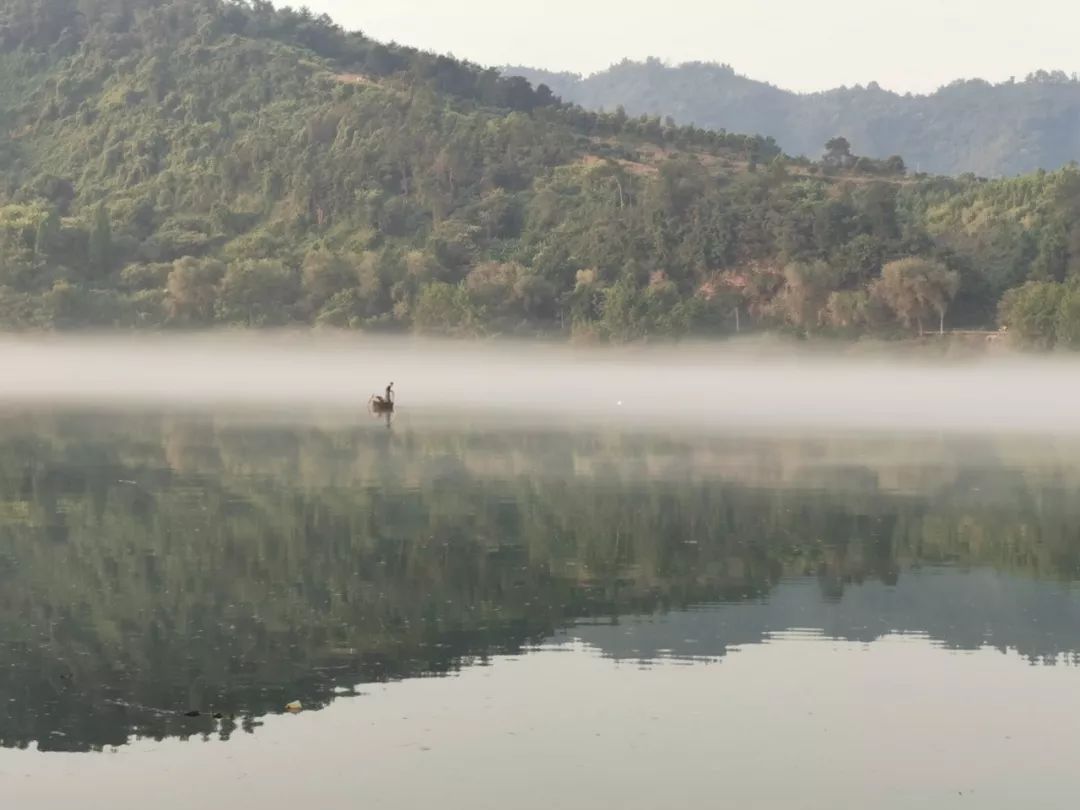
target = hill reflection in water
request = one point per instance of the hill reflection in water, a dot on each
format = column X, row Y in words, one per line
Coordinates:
column 156, row 564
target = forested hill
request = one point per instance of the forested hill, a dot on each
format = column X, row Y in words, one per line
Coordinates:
column 189, row 163
column 974, row 126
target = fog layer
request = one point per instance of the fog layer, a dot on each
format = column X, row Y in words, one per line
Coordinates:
column 721, row 386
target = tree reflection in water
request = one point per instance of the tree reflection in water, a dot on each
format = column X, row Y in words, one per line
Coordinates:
column 154, row 565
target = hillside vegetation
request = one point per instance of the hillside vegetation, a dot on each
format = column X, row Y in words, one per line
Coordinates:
column 187, row 163
column 992, row 130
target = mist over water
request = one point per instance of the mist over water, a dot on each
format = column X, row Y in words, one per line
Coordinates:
column 717, row 386
column 715, row 566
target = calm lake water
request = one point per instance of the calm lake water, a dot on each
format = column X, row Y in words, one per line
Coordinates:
column 478, row 613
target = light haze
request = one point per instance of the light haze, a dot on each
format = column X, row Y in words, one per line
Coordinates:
column 905, row 45
column 740, row 385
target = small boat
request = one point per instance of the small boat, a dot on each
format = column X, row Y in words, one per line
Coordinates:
column 385, row 404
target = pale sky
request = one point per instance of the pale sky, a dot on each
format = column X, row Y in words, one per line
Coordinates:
column 803, row 45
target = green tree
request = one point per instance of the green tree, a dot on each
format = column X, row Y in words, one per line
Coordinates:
column 838, row 151
column 1067, row 323
column 192, row 290
column 1031, row 313
column 621, row 315
column 48, row 231
column 61, row 305
column 445, row 309
column 915, row 288
column 937, row 287
column 100, row 247
column 1052, row 260
column 257, row 292
column 805, row 293
column 848, row 309
column 492, row 285
column 323, row 275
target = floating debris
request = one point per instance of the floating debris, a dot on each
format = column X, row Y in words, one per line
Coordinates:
column 294, row 707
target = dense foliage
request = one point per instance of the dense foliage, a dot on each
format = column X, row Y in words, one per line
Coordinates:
column 968, row 126
column 186, row 163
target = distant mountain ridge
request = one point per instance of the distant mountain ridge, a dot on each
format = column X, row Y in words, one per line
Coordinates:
column 971, row 126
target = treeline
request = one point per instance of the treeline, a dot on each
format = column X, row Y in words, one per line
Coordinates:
column 190, row 163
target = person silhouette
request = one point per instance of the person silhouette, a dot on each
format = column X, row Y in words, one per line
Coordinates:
column 383, row 404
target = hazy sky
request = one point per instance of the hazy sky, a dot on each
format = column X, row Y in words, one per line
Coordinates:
column 803, row 45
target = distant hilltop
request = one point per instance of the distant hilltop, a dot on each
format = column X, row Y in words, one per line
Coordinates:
column 974, row 126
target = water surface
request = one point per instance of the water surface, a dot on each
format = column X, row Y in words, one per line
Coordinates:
column 477, row 612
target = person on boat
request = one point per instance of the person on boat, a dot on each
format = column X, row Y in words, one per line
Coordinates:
column 388, row 402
